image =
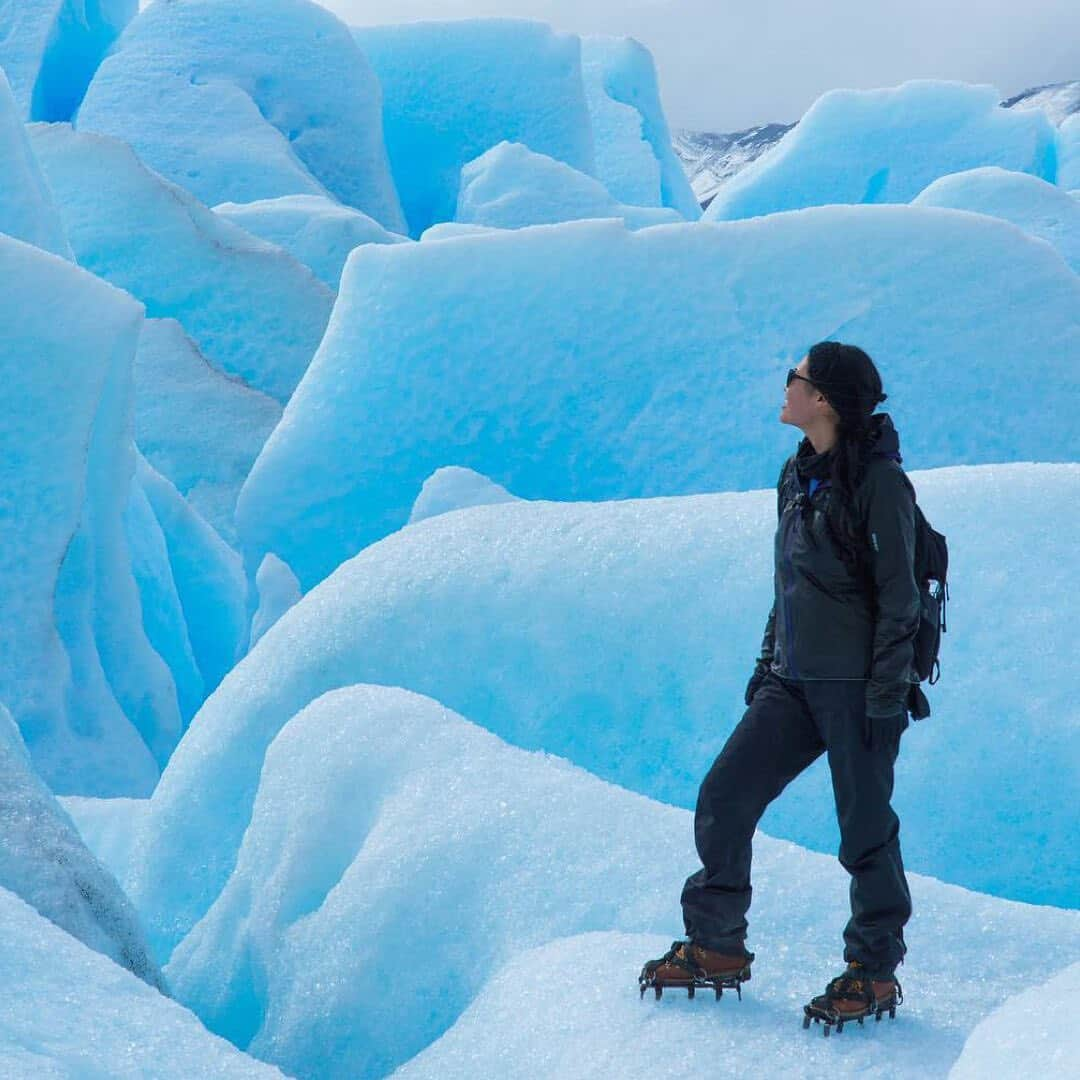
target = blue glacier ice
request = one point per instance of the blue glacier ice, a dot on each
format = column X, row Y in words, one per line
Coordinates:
column 95, row 704
column 454, row 488
column 198, row 427
column 1033, row 205
column 208, row 575
column 69, row 1013
column 585, row 360
column 27, row 211
column 620, row 635
column 885, row 146
column 315, row 230
column 278, row 590
column 50, row 50
column 452, row 90
column 511, row 186
column 44, row 861
column 1069, row 153
column 401, row 864
column 631, row 141
column 159, row 602
column 253, row 310
column 239, row 100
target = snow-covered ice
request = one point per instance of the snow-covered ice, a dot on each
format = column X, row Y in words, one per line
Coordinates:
column 1026, row 1035
column 198, row 427
column 621, row 635
column 73, row 655
column 585, row 360
column 452, row 90
column 885, row 146
column 27, row 211
column 209, row 578
column 631, row 141
column 454, row 488
column 50, row 50
column 315, row 230
column 278, row 590
column 254, row 311
column 399, row 856
column 69, row 1014
column 44, row 861
column 1069, row 153
column 1033, row 205
column 511, row 186
column 240, row 100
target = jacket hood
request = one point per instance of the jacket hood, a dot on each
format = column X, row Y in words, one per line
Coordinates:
column 883, row 441
column 884, row 438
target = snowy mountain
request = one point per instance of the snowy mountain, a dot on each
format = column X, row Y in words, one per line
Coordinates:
column 711, row 159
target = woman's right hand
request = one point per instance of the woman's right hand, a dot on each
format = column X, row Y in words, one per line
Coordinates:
column 761, row 669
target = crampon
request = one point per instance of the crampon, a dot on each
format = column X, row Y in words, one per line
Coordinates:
column 852, row 997
column 689, row 967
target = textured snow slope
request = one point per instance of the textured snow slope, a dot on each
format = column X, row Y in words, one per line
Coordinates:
column 69, row 1014
column 585, row 360
column 553, row 1019
column 44, row 861
column 885, row 146
column 399, row 855
column 238, row 100
column 621, row 636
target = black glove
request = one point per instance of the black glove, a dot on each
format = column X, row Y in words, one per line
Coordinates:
column 761, row 669
column 881, row 731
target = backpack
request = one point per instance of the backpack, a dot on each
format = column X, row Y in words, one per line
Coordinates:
column 931, row 573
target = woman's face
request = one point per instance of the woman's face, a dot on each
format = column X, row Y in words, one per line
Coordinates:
column 803, row 403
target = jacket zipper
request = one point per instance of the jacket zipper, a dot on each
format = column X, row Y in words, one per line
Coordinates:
column 789, row 626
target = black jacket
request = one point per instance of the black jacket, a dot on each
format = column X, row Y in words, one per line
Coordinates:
column 826, row 623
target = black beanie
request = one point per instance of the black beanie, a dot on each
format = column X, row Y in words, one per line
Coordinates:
column 848, row 379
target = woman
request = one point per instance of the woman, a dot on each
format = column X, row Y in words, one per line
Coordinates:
column 835, row 676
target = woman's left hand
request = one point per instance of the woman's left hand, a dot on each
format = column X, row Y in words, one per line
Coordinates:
column 880, row 732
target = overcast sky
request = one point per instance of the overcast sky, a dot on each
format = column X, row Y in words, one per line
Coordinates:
column 725, row 66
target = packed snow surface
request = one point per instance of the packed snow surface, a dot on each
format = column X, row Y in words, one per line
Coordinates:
column 239, row 100
column 253, row 310
column 1024, row 1036
column 621, row 635
column 387, row 827
column 452, row 90
column 1033, row 205
column 51, row 48
column 588, row 361
column 595, row 1025
column 315, row 230
column 27, row 211
column 885, row 146
column 511, row 186
column 69, row 1014
column 44, row 860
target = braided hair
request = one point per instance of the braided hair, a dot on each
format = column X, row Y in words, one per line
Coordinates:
column 852, row 385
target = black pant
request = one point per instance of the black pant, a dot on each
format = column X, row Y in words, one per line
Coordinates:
column 786, row 728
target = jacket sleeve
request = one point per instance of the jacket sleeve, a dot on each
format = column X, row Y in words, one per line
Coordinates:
column 768, row 642
column 890, row 533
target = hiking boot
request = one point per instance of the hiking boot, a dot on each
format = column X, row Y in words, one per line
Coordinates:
column 852, row 996
column 688, row 965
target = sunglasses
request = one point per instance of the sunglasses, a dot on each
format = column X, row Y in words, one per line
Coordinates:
column 793, row 374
